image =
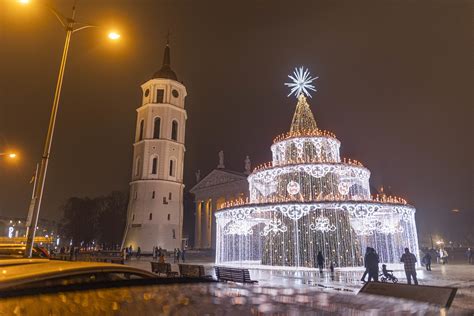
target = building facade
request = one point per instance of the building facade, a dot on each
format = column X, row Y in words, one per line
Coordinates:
column 155, row 210
column 219, row 186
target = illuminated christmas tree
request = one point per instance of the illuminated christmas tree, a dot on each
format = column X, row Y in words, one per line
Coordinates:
column 309, row 200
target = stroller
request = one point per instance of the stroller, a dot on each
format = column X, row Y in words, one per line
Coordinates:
column 387, row 276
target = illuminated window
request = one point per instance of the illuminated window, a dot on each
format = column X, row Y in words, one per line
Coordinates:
column 174, row 130
column 140, row 133
column 160, row 93
column 156, row 127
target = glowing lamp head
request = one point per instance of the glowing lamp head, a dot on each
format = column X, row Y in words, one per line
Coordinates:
column 12, row 155
column 114, row 36
column 24, row 1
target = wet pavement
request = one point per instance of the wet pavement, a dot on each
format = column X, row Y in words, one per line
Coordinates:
column 347, row 281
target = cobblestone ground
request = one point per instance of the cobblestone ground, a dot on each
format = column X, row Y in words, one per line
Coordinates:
column 348, row 281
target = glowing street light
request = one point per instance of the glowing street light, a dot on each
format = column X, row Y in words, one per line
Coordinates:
column 24, row 1
column 114, row 36
column 10, row 155
column 71, row 26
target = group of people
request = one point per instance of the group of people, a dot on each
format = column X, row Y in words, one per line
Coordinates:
column 157, row 252
column 371, row 263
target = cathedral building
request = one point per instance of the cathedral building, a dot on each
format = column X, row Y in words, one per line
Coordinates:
column 219, row 186
column 155, row 210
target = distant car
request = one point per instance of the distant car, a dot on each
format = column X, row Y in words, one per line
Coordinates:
column 18, row 251
column 52, row 273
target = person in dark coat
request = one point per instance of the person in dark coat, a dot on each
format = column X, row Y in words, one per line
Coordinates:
column 427, row 261
column 320, row 261
column 139, row 252
column 372, row 264
column 367, row 250
column 409, row 261
column 178, row 254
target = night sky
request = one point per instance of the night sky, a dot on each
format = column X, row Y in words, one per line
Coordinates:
column 395, row 87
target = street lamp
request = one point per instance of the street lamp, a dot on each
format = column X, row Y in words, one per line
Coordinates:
column 71, row 26
column 10, row 155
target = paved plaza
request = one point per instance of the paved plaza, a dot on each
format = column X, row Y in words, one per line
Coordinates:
column 345, row 280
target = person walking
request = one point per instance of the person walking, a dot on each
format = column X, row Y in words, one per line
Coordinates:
column 182, row 255
column 372, row 264
column 71, row 253
column 427, row 261
column 124, row 254
column 320, row 261
column 367, row 250
column 409, row 261
column 178, row 254
column 139, row 252
column 469, row 255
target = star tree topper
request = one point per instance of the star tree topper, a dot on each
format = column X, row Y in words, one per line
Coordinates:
column 302, row 82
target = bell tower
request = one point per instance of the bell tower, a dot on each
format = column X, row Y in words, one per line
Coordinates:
column 155, row 209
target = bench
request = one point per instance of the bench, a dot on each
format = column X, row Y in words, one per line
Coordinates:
column 233, row 275
column 192, row 271
column 163, row 268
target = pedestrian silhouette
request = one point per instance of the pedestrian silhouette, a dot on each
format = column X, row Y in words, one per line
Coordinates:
column 409, row 261
column 320, row 261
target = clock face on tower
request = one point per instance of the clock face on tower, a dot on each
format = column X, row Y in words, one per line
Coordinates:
column 175, row 93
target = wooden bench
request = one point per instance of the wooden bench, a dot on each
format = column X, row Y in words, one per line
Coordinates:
column 233, row 275
column 192, row 271
column 163, row 268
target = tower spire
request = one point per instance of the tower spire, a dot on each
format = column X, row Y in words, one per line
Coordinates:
column 166, row 56
column 303, row 119
column 166, row 72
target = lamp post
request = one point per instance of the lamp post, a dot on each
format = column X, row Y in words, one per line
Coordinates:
column 9, row 155
column 71, row 26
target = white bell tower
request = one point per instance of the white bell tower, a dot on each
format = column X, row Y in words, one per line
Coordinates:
column 155, row 209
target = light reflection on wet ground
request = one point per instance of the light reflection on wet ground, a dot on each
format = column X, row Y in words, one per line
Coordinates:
column 211, row 299
column 348, row 280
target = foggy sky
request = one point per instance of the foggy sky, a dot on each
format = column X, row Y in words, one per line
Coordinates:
column 395, row 87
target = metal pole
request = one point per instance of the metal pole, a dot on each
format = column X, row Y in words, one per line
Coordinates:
column 33, row 199
column 47, row 146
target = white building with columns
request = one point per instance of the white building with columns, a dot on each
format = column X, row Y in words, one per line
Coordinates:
column 219, row 186
column 155, row 210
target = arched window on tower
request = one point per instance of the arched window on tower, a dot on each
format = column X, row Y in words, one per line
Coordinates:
column 140, row 133
column 174, row 130
column 154, row 165
column 172, row 168
column 137, row 166
column 156, row 127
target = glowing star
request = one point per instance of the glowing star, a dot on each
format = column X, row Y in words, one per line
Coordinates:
column 302, row 82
